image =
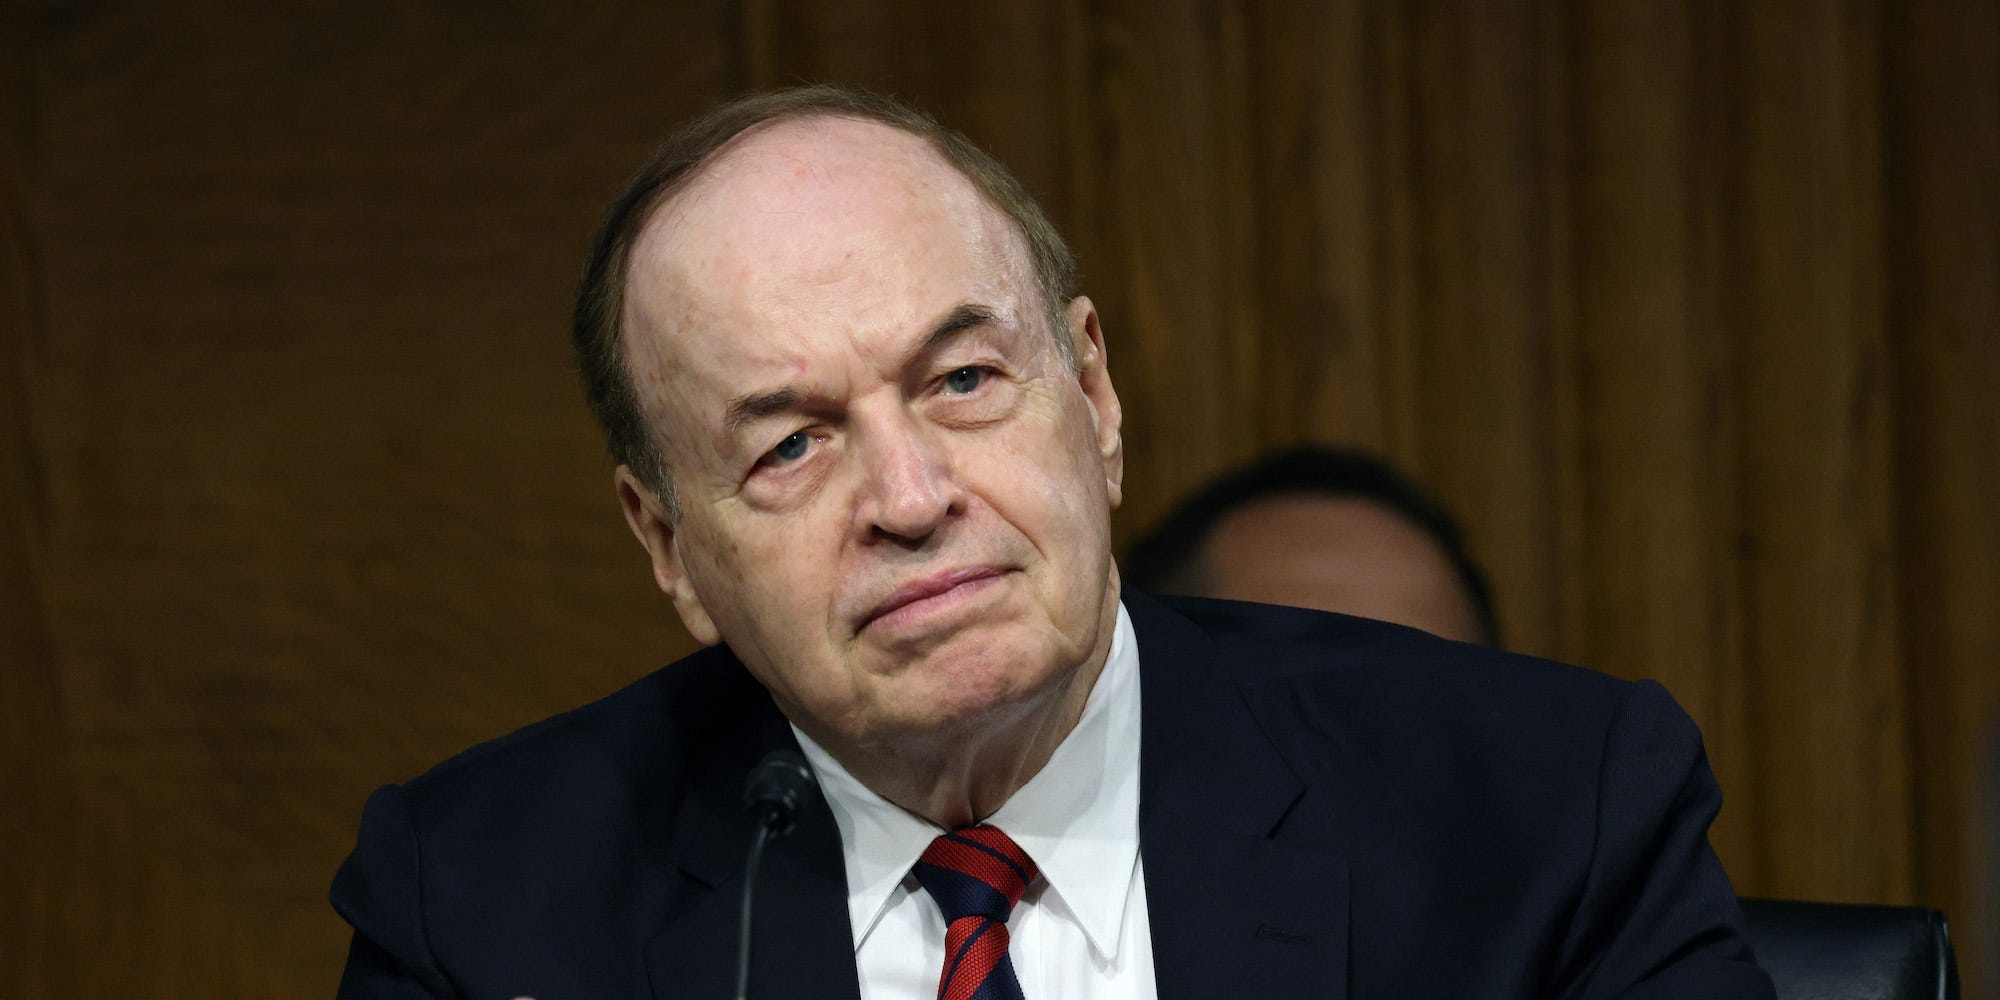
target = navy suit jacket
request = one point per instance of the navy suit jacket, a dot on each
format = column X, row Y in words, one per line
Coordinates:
column 1329, row 807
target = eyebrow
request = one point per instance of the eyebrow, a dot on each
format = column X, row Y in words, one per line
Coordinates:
column 748, row 409
column 959, row 320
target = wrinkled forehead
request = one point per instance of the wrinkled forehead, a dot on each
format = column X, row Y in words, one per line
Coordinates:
column 820, row 230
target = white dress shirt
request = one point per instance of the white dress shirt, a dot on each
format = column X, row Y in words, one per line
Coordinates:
column 1081, row 930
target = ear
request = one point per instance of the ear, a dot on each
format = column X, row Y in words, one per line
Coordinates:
column 1093, row 374
column 654, row 527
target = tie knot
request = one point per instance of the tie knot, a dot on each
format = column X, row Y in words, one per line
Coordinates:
column 976, row 871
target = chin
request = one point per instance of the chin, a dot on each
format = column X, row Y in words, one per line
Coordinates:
column 974, row 693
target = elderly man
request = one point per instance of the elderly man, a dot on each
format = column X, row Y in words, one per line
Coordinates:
column 868, row 438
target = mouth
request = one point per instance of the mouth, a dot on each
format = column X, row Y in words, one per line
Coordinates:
column 939, row 592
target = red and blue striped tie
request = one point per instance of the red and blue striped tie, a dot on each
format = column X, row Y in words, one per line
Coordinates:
column 976, row 875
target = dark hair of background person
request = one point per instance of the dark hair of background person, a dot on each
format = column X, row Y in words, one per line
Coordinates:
column 598, row 324
column 1168, row 559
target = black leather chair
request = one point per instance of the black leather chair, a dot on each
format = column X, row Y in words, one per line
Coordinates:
column 1838, row 951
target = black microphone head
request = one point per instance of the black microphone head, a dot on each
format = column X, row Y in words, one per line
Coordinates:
column 779, row 787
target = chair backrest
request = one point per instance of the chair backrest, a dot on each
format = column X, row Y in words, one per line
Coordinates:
column 1838, row 951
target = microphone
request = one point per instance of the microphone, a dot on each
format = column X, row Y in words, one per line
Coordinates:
column 778, row 788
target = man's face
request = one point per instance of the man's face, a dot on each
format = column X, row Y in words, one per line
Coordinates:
column 894, row 493
column 1340, row 554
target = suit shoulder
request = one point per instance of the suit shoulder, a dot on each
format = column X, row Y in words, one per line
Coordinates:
column 649, row 725
column 1406, row 683
column 559, row 839
column 1271, row 642
column 1451, row 736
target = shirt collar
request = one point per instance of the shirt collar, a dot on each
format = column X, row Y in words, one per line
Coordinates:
column 1078, row 817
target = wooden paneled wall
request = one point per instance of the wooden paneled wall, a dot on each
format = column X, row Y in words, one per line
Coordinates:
column 1692, row 309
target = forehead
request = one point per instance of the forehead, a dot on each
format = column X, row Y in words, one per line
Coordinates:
column 811, row 231
column 1345, row 538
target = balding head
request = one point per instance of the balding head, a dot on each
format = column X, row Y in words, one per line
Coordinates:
column 790, row 223
column 598, row 330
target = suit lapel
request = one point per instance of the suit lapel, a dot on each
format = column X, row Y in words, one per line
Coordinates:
column 803, row 947
column 1236, row 910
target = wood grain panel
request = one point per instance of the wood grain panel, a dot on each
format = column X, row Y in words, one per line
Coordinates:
column 1322, row 259
column 31, row 746
column 876, row 44
column 1820, row 575
column 27, row 691
column 1477, row 425
column 1171, row 232
column 1654, row 385
column 1943, row 110
column 323, row 504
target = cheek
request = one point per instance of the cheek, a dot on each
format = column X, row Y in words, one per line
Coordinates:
column 788, row 570
column 1053, row 493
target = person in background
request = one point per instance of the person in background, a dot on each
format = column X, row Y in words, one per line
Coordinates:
column 1322, row 528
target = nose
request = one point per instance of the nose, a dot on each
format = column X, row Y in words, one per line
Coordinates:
column 910, row 488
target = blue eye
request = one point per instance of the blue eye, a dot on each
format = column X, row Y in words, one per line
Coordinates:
column 792, row 448
column 965, row 379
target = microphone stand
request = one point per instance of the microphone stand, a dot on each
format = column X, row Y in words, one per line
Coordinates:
column 757, row 842
column 778, row 788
